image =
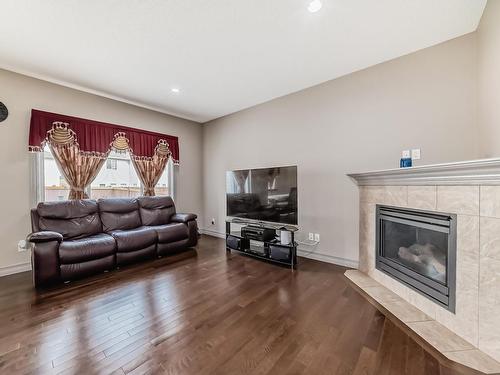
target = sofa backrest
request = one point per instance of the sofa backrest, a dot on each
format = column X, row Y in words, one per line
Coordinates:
column 73, row 219
column 34, row 220
column 119, row 213
column 156, row 210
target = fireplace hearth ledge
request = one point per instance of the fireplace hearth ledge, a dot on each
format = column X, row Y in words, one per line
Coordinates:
column 452, row 346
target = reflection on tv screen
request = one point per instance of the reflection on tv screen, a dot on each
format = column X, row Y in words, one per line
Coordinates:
column 264, row 194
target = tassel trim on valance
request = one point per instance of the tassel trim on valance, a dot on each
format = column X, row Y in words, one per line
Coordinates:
column 61, row 136
column 98, row 138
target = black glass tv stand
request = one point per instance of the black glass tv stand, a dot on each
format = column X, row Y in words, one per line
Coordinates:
column 270, row 250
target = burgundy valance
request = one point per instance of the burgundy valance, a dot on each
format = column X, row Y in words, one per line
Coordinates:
column 98, row 137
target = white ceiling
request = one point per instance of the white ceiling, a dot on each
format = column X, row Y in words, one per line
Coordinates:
column 224, row 55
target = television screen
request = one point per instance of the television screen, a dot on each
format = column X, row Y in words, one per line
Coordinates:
column 264, row 194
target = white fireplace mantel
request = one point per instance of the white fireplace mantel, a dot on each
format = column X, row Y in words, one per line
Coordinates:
column 472, row 172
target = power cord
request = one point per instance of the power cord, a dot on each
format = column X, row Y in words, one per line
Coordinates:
column 312, row 243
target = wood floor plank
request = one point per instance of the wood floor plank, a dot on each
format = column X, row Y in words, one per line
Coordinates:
column 204, row 312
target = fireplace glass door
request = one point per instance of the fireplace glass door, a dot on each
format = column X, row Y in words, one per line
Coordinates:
column 422, row 250
column 418, row 248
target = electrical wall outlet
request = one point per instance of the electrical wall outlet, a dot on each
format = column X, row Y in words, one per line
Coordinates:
column 213, row 221
column 415, row 154
column 316, row 237
column 405, row 154
column 311, row 236
column 22, row 246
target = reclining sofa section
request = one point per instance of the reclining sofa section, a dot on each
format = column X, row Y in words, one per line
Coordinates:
column 73, row 239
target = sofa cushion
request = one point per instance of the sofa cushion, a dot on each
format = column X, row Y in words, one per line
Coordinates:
column 85, row 249
column 171, row 232
column 119, row 214
column 73, row 219
column 123, row 257
column 172, row 247
column 134, row 239
column 76, row 270
column 156, row 210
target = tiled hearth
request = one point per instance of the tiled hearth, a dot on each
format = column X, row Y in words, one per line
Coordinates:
column 452, row 346
column 471, row 190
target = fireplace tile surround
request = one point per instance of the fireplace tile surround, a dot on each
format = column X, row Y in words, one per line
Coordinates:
column 465, row 321
column 471, row 190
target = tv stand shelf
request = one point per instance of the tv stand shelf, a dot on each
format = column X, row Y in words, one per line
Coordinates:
column 271, row 250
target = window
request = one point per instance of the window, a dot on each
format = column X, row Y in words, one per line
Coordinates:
column 117, row 180
column 55, row 186
column 163, row 185
column 111, row 164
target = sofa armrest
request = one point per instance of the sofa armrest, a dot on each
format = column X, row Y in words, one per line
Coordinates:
column 45, row 260
column 193, row 233
column 44, row 236
column 183, row 218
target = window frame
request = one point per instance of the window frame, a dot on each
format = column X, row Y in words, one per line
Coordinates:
column 111, row 164
column 37, row 179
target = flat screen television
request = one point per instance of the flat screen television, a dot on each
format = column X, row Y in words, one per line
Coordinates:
column 263, row 194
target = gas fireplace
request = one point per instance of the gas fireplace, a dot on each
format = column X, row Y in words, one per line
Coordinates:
column 418, row 248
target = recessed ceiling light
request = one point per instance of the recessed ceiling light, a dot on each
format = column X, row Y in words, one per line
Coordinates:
column 175, row 90
column 314, row 6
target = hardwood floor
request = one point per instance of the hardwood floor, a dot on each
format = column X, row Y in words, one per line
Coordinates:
column 204, row 312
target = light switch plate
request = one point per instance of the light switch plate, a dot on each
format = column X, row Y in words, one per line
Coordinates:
column 415, row 154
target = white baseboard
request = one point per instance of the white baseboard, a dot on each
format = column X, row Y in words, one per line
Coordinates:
column 15, row 268
column 329, row 259
column 213, row 233
column 303, row 253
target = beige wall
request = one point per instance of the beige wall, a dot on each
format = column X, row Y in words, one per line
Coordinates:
column 488, row 37
column 354, row 123
column 21, row 94
column 432, row 99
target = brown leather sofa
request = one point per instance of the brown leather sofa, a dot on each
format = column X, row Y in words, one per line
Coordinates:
column 72, row 239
